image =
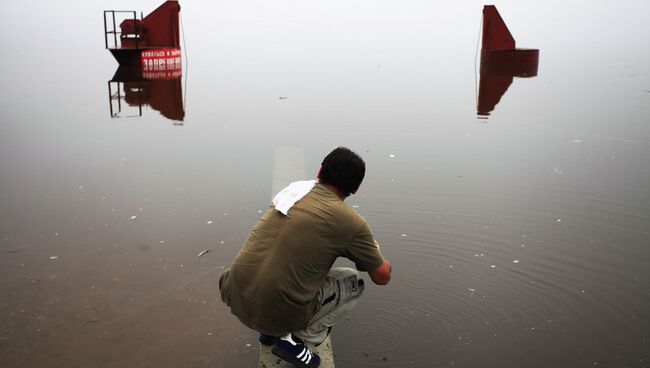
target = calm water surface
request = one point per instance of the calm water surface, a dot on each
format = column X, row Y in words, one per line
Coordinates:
column 522, row 240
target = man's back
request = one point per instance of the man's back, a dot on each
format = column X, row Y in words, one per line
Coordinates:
column 273, row 281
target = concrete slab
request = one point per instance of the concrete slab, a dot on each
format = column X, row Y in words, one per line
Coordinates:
column 324, row 350
column 288, row 166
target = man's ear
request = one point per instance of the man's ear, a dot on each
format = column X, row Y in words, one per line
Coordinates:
column 357, row 188
column 319, row 170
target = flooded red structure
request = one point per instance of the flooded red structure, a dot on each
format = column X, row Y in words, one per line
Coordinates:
column 501, row 61
column 152, row 41
column 149, row 53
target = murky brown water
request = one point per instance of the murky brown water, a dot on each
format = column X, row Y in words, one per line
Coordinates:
column 522, row 240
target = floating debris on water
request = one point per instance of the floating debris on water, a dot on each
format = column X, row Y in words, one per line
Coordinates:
column 204, row 252
column 557, row 171
column 404, row 235
column 133, row 217
column 209, row 222
column 391, row 156
column 493, row 266
column 559, row 220
column 515, row 261
column 54, row 257
column 577, row 141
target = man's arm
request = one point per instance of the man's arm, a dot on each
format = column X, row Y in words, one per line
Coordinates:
column 381, row 275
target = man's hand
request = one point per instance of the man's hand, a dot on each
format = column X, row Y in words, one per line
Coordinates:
column 381, row 275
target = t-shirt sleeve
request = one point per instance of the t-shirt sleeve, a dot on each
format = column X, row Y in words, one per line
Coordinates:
column 362, row 250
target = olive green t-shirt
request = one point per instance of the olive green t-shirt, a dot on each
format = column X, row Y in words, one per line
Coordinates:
column 272, row 283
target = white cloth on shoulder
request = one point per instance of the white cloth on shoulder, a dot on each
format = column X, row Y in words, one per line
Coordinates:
column 287, row 197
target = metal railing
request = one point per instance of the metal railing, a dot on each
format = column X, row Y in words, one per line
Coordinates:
column 115, row 32
column 118, row 97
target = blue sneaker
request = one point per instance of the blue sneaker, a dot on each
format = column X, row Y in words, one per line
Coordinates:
column 296, row 353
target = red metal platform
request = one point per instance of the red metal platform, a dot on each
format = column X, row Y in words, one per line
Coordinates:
column 152, row 41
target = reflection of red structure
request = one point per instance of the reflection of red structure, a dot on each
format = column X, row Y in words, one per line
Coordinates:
column 493, row 84
column 500, row 61
column 162, row 91
column 151, row 38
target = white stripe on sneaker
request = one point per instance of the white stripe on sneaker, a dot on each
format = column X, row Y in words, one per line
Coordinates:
column 300, row 356
column 309, row 359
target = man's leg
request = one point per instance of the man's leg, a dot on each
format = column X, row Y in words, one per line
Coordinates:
column 338, row 295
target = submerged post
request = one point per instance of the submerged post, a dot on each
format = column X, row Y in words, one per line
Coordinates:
column 105, row 31
column 114, row 30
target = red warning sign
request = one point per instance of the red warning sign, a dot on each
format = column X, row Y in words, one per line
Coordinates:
column 161, row 60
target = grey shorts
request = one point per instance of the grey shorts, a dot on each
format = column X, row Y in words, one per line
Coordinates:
column 338, row 295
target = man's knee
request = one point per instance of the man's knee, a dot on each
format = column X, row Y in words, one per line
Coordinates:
column 348, row 281
column 343, row 272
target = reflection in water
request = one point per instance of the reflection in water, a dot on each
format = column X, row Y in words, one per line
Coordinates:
column 161, row 90
column 494, row 83
column 500, row 61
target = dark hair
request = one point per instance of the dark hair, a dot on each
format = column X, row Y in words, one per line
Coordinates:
column 343, row 169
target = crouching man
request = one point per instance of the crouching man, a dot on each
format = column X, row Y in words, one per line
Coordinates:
column 282, row 283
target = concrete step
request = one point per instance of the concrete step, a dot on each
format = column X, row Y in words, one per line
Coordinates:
column 324, row 350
